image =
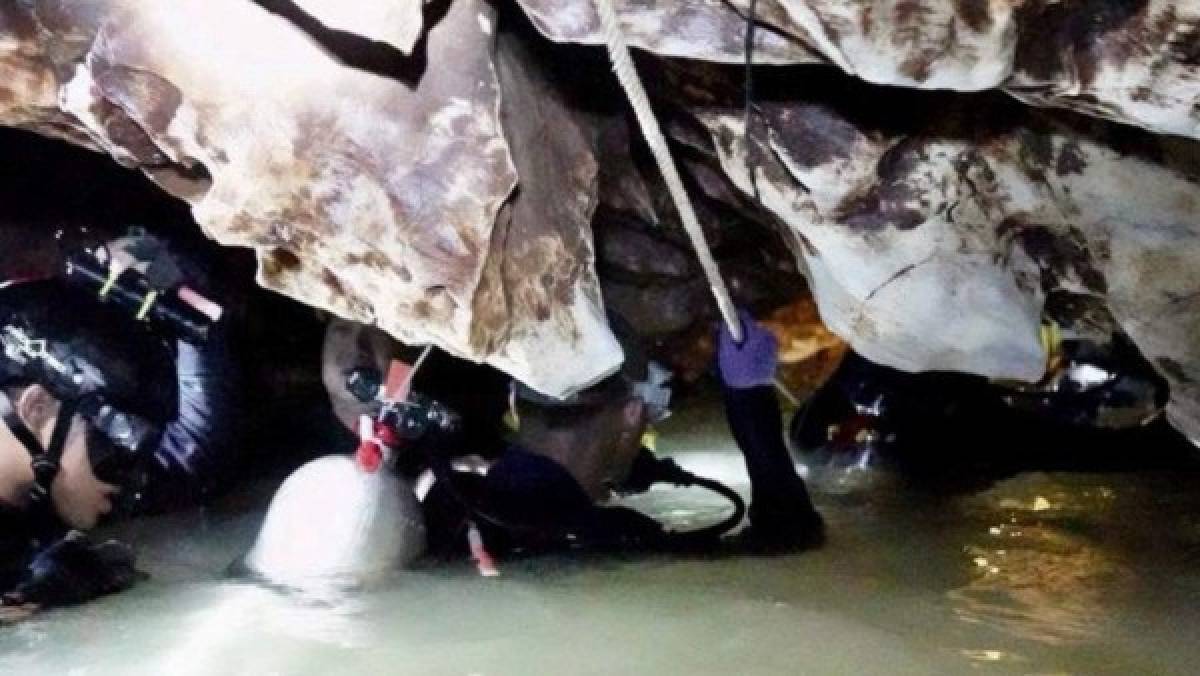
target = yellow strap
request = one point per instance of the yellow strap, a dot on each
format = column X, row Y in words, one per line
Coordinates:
column 650, row 439
column 146, row 305
column 511, row 420
column 1051, row 337
column 113, row 274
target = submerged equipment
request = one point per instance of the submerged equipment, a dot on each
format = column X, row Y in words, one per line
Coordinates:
column 408, row 422
column 433, row 426
column 73, row 570
column 649, row 469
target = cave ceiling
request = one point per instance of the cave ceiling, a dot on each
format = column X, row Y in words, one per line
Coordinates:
column 937, row 172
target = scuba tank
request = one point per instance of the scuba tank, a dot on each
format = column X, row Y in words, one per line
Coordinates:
column 345, row 521
column 336, row 522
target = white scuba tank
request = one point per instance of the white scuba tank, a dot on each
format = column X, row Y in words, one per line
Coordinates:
column 333, row 522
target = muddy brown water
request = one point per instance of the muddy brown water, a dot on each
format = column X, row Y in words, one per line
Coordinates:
column 1040, row 573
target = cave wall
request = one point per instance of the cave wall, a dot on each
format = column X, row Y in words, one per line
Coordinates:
column 370, row 184
column 932, row 228
column 934, row 246
column 937, row 171
column 1132, row 61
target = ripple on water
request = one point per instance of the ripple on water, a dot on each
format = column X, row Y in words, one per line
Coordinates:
column 1036, row 575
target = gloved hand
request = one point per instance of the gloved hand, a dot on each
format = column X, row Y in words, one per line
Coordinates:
column 752, row 363
column 73, row 570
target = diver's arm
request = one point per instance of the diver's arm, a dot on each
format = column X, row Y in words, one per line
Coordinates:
column 747, row 374
column 195, row 446
column 757, row 427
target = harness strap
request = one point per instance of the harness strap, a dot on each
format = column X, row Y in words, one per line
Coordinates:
column 8, row 412
column 42, row 520
column 46, row 463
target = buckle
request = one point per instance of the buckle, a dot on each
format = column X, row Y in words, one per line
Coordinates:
column 44, row 469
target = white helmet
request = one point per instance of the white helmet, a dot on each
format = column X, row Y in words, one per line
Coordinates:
column 334, row 523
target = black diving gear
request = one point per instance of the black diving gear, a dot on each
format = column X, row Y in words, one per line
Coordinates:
column 153, row 426
column 782, row 516
column 527, row 502
column 136, row 296
column 158, row 411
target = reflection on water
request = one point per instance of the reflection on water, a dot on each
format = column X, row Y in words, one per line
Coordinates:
column 1039, row 585
column 234, row 611
column 1038, row 574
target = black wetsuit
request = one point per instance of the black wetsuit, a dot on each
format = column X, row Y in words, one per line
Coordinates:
column 527, row 502
column 196, row 446
column 779, row 498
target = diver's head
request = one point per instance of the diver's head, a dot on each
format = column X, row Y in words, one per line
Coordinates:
column 597, row 433
column 88, row 393
column 596, row 441
column 78, row 497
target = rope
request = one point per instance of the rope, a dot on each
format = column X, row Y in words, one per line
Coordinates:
column 618, row 52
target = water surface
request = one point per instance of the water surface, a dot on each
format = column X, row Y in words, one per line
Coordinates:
column 1040, row 573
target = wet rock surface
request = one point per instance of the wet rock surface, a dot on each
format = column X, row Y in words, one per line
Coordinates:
column 445, row 172
column 370, row 188
column 1129, row 61
column 933, row 227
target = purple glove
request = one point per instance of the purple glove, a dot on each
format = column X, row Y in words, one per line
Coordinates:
column 752, row 363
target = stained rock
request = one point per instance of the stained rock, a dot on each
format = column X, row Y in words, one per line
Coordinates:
column 1132, row 62
column 632, row 250
column 396, row 22
column 376, row 198
column 448, row 195
column 698, row 30
column 656, row 310
column 931, row 245
column 544, row 295
column 809, row 353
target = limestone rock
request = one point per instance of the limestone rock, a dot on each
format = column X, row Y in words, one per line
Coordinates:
column 809, row 353
column 931, row 241
column 543, row 295
column 698, row 30
column 396, row 22
column 374, row 195
column 1132, row 62
column 449, row 195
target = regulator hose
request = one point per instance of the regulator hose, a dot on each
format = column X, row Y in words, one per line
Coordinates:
column 668, row 471
column 664, row 471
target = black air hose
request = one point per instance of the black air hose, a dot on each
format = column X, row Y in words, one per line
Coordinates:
column 662, row 471
column 668, row 471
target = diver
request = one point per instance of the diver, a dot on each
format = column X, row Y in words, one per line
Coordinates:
column 568, row 457
column 960, row 432
column 542, row 486
column 118, row 395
